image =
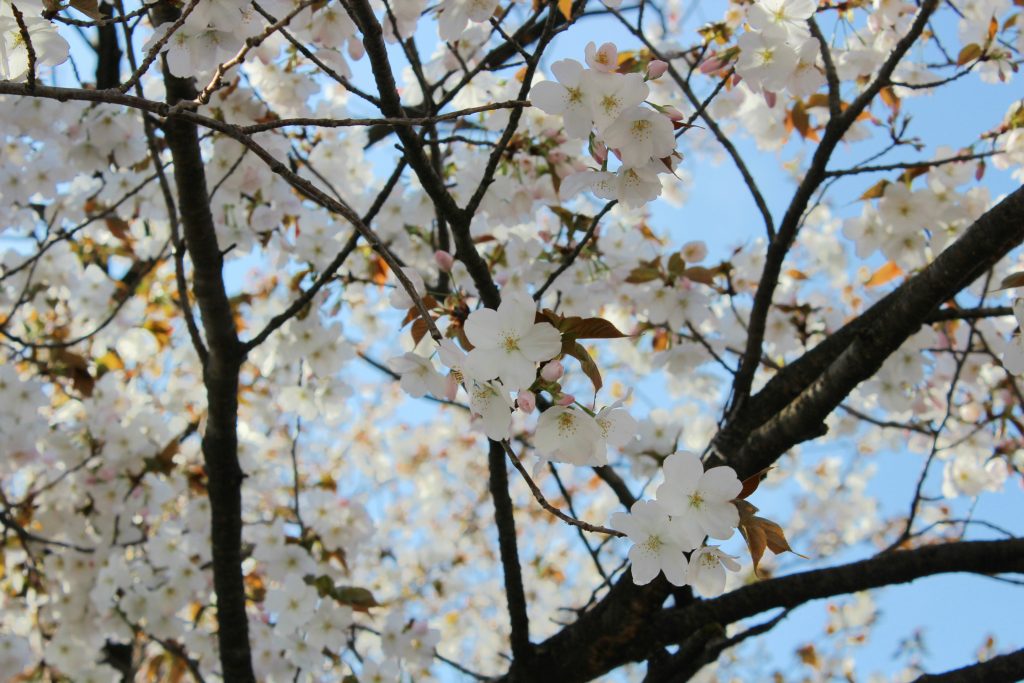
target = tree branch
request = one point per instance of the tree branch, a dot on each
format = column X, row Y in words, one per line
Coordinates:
column 1008, row 668
column 220, row 377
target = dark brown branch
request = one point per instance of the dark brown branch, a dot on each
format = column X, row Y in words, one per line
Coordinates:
column 888, row 324
column 332, row 268
column 574, row 254
column 980, row 557
column 908, row 164
column 220, row 378
column 522, row 648
column 790, row 224
column 1008, row 668
column 944, row 314
column 108, row 52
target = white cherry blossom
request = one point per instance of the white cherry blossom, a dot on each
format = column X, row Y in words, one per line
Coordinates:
column 641, row 134
column 568, row 434
column 566, row 97
column 418, row 376
column 659, row 542
column 508, row 344
column 707, row 570
column 701, row 499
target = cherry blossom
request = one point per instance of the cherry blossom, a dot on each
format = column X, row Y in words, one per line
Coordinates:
column 567, row 97
column 568, row 434
column 702, row 500
column 659, row 542
column 508, row 344
column 418, row 376
column 707, row 570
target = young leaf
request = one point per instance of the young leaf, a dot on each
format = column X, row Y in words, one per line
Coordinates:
column 588, row 365
column 761, row 534
column 590, row 328
column 884, row 274
column 751, row 483
column 1011, row 281
column 876, row 190
column 969, row 53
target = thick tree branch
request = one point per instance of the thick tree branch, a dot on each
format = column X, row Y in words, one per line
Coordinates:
column 790, row 224
column 504, row 518
column 889, row 323
column 220, row 377
column 980, row 557
column 1008, row 668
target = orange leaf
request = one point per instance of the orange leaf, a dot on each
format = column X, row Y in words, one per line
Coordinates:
column 890, row 99
column 876, row 190
column 884, row 274
column 565, row 7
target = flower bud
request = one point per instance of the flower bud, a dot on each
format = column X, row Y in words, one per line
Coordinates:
column 565, row 400
column 673, row 113
column 711, row 65
column 444, row 260
column 552, row 371
column 694, row 252
column 656, row 69
column 526, row 400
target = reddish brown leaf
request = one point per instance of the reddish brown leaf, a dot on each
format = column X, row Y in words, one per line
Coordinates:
column 588, row 365
column 590, row 328
column 751, row 483
column 700, row 274
column 1012, row 280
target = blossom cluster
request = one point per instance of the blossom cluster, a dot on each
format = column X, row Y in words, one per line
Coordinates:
column 779, row 52
column 690, row 505
column 507, row 348
column 603, row 106
column 49, row 47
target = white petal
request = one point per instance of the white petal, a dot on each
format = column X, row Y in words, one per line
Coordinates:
column 542, row 342
column 482, row 327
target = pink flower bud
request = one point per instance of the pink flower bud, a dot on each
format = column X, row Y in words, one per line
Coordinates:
column 711, row 65
column 656, row 69
column 673, row 113
column 552, row 370
column 599, row 151
column 444, row 260
column 770, row 99
column 565, row 400
column 694, row 252
column 355, row 49
column 526, row 400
